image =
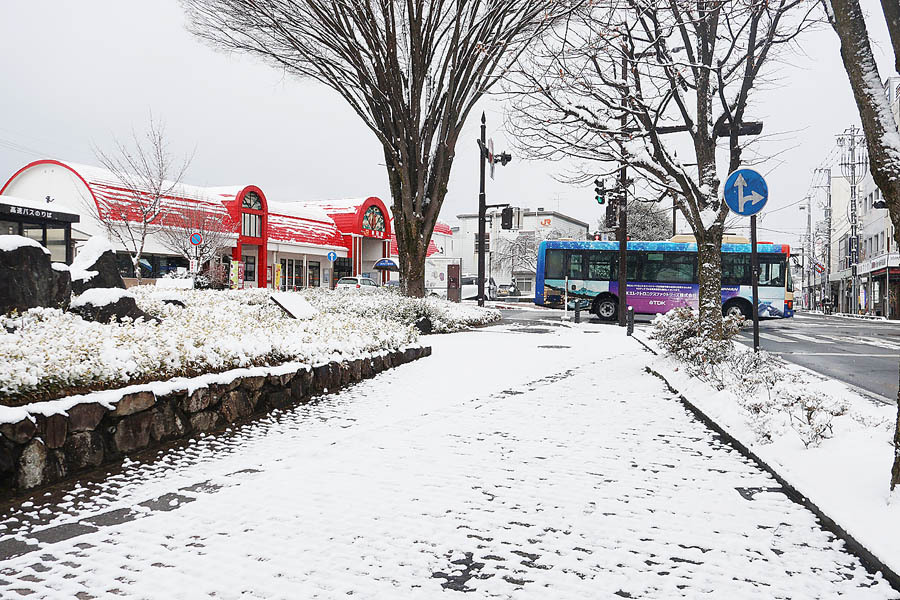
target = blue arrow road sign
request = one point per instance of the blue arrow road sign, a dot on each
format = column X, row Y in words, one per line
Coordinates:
column 332, row 256
column 746, row 192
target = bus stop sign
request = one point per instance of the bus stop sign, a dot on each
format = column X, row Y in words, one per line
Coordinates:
column 746, row 192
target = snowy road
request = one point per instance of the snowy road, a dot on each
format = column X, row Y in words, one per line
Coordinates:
column 518, row 461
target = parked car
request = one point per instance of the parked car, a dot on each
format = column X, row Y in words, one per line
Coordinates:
column 359, row 283
column 507, row 289
column 469, row 288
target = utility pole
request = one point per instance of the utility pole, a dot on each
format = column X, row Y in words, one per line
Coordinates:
column 827, row 283
column 812, row 253
column 853, row 165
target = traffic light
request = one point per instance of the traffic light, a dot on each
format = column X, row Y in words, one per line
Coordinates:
column 599, row 192
column 506, row 218
column 503, row 158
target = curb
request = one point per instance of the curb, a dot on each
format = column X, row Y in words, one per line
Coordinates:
column 872, row 563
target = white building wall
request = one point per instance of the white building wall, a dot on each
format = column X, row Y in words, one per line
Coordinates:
column 542, row 223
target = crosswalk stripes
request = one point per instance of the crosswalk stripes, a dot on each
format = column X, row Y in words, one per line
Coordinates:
column 776, row 338
column 791, row 337
column 809, row 338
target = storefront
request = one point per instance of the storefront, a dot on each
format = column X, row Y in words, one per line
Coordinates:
column 41, row 222
column 269, row 243
column 263, row 238
column 880, row 284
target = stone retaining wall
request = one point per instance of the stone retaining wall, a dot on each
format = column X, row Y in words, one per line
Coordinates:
column 45, row 450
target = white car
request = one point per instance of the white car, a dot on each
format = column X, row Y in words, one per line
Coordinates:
column 357, row 283
column 469, row 288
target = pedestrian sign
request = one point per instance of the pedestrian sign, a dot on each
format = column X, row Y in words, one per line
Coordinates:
column 332, row 256
column 746, row 192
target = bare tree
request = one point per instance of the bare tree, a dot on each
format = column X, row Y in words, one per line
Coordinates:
column 209, row 219
column 648, row 221
column 882, row 137
column 519, row 253
column 411, row 70
column 620, row 76
column 144, row 175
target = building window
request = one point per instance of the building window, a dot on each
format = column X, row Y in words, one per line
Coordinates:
column 313, row 273
column 251, row 225
column 252, row 201
column 249, row 268
column 487, row 242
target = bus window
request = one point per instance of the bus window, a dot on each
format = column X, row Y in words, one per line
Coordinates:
column 601, row 265
column 635, row 258
column 555, row 264
column 735, row 268
column 669, row 267
column 576, row 264
column 771, row 271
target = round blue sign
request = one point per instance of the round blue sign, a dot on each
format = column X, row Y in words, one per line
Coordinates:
column 746, row 192
column 196, row 239
column 332, row 256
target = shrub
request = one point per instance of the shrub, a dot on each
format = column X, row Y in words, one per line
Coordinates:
column 678, row 334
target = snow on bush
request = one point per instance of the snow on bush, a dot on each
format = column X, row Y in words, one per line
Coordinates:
column 678, row 334
column 47, row 353
column 445, row 316
column 774, row 397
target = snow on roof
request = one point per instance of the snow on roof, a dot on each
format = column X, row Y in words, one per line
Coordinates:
column 432, row 247
column 9, row 243
column 300, row 210
column 283, row 228
column 345, row 206
column 442, row 228
column 94, row 175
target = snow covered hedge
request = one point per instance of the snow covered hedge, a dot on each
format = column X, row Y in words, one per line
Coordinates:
column 445, row 316
column 47, row 353
column 775, row 397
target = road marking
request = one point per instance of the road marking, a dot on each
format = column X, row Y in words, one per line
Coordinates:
column 776, row 338
column 808, row 338
column 865, row 342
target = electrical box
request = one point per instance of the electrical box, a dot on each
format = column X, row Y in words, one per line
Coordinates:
column 453, row 287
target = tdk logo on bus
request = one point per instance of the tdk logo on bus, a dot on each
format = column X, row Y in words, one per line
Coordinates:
column 746, row 192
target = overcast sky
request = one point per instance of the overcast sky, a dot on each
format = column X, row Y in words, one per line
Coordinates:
column 79, row 74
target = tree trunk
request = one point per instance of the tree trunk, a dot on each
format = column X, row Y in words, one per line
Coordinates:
column 882, row 138
column 413, row 226
column 709, row 272
column 136, row 262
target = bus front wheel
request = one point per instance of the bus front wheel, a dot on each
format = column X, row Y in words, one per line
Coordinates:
column 607, row 308
column 737, row 308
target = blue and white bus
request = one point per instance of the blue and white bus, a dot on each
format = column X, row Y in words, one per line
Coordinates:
column 661, row 276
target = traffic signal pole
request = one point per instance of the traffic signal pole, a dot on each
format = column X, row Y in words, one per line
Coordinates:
column 486, row 155
column 621, row 201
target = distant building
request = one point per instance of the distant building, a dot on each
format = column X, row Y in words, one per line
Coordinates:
column 878, row 267
column 511, row 254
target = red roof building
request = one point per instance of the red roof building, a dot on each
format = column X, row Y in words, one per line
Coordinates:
column 284, row 244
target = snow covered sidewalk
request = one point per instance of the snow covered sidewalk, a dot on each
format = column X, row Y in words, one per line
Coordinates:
column 518, row 461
